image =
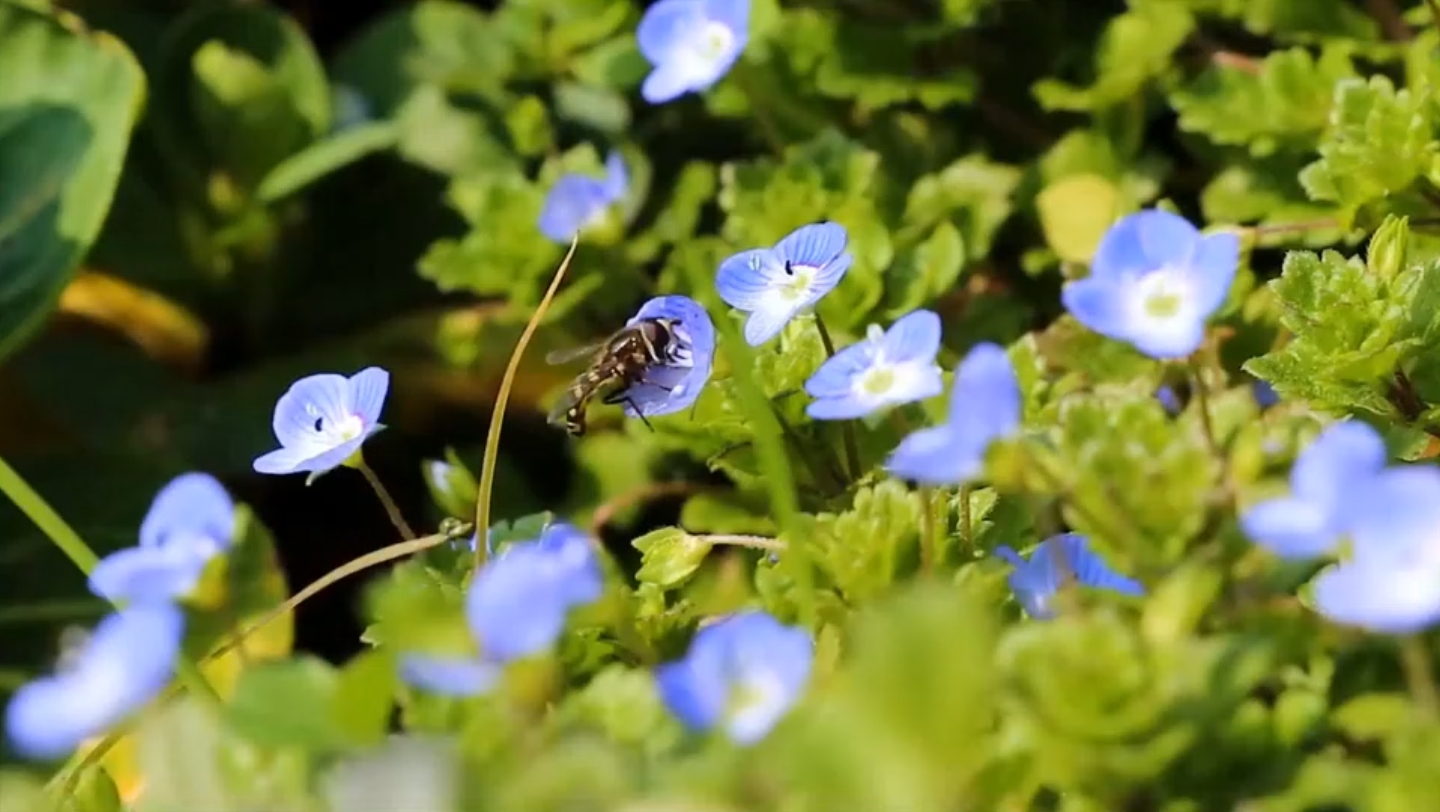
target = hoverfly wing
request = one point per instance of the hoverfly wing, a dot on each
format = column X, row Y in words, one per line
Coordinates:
column 563, row 404
column 567, row 355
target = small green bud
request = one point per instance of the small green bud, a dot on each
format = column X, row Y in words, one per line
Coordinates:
column 1386, row 257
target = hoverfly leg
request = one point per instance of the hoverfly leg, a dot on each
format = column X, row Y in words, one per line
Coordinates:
column 621, row 397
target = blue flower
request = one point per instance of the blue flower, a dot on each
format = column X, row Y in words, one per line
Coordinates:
column 517, row 604
column 774, row 285
column 1055, row 561
column 676, row 384
column 1265, row 395
column 578, row 201
column 191, row 520
column 1390, row 582
column 984, row 407
column 515, row 607
column 1153, row 283
column 741, row 674
column 449, row 676
column 322, row 420
column 124, row 663
column 888, row 368
column 1169, row 400
column 691, row 44
column 1312, row 519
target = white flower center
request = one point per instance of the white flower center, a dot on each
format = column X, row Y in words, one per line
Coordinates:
column 795, row 286
column 335, row 432
column 877, row 381
column 713, row 41
column 754, row 703
column 1164, row 294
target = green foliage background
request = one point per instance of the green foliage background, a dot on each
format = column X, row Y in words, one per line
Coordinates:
column 202, row 201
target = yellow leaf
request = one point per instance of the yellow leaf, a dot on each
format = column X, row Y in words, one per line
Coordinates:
column 1075, row 212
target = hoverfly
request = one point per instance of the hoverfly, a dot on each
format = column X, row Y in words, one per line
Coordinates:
column 616, row 364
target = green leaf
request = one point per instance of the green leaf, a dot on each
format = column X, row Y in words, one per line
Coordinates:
column 1374, row 716
column 363, row 697
column 288, row 704
column 238, row 89
column 863, row 549
column 179, row 751
column 67, row 106
column 669, row 556
column 1380, row 140
column 975, row 194
column 428, row 44
column 324, row 157
column 1135, row 48
column 504, row 253
column 1283, row 103
column 923, row 274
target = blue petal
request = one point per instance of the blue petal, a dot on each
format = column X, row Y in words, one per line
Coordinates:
column 749, row 650
column 678, row 386
column 841, row 407
column 126, row 662
column 766, row 322
column 1099, row 304
column 617, row 178
column 449, row 676
column 1165, row 238
column 913, row 337
column 697, row 698
column 1379, row 596
column 317, row 397
column 1342, row 456
column 1291, row 527
column 666, row 25
column 814, row 245
column 572, row 202
column 1036, row 581
column 577, row 567
column 733, row 14
column 147, row 574
column 742, row 280
column 1120, row 256
column 936, row 456
column 192, row 508
column 1265, row 395
column 827, row 278
column 665, row 83
column 1168, row 399
column 1396, row 515
column 985, row 401
column 309, row 459
column 1213, row 267
column 837, row 374
column 368, row 388
column 1172, row 338
column 514, row 605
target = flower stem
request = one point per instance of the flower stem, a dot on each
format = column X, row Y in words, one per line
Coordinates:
column 1202, row 399
column 852, row 446
column 497, row 415
column 1420, row 676
column 774, row 468
column 929, row 541
column 736, row 540
column 967, row 533
column 391, row 509
column 63, row 536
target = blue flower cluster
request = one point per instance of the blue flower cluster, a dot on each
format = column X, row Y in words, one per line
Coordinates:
column 742, row 673
column 130, row 655
column 1383, row 523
